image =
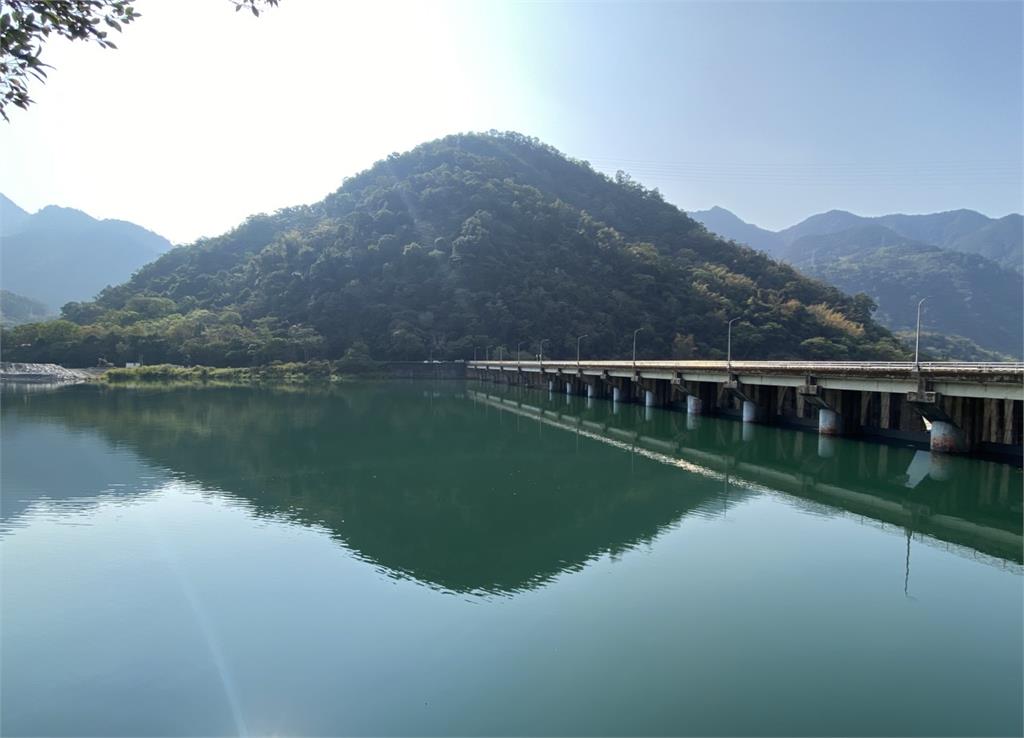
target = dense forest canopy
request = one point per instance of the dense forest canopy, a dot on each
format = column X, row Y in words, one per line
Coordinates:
column 468, row 242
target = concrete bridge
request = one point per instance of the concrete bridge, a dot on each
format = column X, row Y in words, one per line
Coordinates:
column 951, row 406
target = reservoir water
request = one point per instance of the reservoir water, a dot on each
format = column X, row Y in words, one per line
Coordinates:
column 448, row 558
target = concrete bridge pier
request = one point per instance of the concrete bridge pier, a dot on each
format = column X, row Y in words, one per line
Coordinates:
column 694, row 405
column 596, row 387
column 622, row 389
column 654, row 392
column 749, row 412
column 677, row 393
column 828, row 422
column 576, row 384
column 945, row 437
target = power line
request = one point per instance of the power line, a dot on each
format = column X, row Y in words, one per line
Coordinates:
column 936, row 173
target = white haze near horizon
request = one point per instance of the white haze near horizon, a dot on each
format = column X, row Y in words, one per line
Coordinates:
column 204, row 116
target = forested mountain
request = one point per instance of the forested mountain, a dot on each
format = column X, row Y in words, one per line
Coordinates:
column 58, row 255
column 15, row 309
column 832, row 221
column 999, row 240
column 968, row 295
column 728, row 225
column 947, row 347
column 967, row 231
column 463, row 243
column 898, row 259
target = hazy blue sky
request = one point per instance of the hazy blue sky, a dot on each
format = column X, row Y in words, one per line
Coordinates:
column 773, row 110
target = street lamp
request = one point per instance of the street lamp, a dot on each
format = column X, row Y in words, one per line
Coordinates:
column 917, row 339
column 500, row 349
column 578, row 339
column 634, row 346
column 542, row 342
column 474, row 354
column 728, row 346
column 487, row 356
column 519, row 352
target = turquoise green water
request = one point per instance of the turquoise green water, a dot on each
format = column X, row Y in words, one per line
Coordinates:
column 401, row 558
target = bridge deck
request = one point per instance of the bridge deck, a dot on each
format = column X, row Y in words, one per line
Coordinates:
column 1003, row 380
column 885, row 368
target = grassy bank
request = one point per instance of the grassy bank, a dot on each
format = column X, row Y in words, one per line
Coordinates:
column 289, row 373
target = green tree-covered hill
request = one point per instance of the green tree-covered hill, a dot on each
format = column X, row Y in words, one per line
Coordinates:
column 466, row 242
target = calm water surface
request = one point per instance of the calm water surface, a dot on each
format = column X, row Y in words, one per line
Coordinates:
column 460, row 559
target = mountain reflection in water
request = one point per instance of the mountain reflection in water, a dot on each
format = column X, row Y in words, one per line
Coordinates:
column 482, row 489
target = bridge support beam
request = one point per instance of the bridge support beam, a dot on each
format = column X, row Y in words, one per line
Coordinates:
column 694, row 405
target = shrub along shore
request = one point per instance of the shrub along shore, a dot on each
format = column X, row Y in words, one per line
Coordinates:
column 283, row 373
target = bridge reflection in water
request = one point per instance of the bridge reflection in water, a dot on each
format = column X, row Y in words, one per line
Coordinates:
column 498, row 492
column 969, row 506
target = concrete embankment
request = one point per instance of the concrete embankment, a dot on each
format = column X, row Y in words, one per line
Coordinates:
column 19, row 372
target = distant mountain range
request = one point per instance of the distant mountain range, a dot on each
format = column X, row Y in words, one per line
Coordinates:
column 59, row 255
column 969, row 267
column 998, row 239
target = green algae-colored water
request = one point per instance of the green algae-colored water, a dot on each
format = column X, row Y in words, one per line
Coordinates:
column 448, row 558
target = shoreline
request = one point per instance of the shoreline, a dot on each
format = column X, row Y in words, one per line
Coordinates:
column 282, row 374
